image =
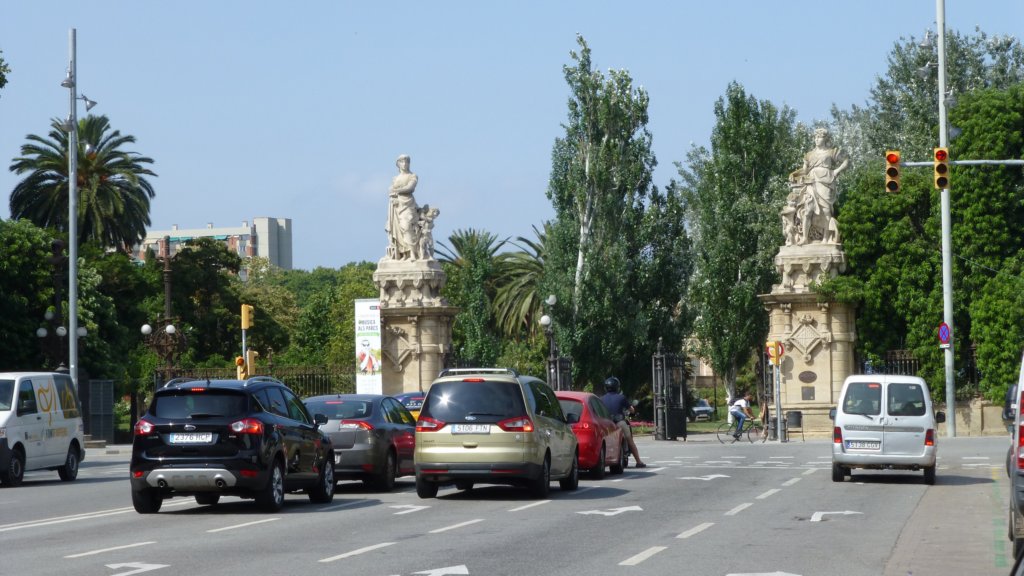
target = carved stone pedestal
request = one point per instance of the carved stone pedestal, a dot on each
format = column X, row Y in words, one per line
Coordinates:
column 416, row 323
column 818, row 337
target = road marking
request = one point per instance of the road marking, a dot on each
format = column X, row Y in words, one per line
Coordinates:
column 739, row 509
column 768, row 493
column 809, row 471
column 454, row 526
column 139, row 568
column 733, row 457
column 409, row 508
column 780, row 457
column 652, row 470
column 817, row 516
column 685, row 457
column 613, row 511
column 357, row 552
column 101, row 551
column 704, row 478
column 531, row 505
column 253, row 523
column 461, row 569
column 345, row 505
column 790, row 482
column 696, row 530
column 642, row 556
column 976, row 457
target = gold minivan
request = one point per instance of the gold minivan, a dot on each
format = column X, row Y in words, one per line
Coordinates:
column 493, row 426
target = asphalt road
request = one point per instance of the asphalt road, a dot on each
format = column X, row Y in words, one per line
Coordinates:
column 699, row 508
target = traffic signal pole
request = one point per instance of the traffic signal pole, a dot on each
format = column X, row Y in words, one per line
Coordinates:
column 947, row 250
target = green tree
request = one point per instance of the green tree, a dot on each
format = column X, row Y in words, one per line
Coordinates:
column 517, row 277
column 28, row 290
column 355, row 283
column 113, row 208
column 469, row 264
column 4, row 70
column 733, row 193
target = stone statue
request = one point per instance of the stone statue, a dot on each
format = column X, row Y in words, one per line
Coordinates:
column 425, row 248
column 403, row 214
column 808, row 215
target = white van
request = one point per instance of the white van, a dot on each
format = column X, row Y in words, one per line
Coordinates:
column 40, row 425
column 884, row 421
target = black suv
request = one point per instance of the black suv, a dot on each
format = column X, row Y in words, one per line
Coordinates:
column 251, row 438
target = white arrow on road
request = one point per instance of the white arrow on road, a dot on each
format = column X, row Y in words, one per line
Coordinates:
column 816, row 517
column 139, row 568
column 443, row 571
column 612, row 511
column 408, row 508
column 704, row 478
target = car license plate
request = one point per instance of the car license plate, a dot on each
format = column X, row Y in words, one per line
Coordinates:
column 191, row 437
column 471, row 428
column 864, row 444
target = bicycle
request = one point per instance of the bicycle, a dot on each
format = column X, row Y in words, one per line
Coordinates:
column 751, row 427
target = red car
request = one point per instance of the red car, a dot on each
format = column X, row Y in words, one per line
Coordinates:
column 600, row 440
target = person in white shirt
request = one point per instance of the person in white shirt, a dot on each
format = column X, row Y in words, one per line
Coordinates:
column 740, row 410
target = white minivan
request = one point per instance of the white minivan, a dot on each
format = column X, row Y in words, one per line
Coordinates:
column 40, row 425
column 884, row 421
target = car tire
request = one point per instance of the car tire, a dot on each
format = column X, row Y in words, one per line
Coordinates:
column 572, row 481
column 838, row 472
column 540, row 486
column 323, row 491
column 620, row 465
column 146, row 501
column 208, row 499
column 270, row 498
column 69, row 471
column 929, row 475
column 15, row 472
column 597, row 473
column 385, row 481
column 425, row 488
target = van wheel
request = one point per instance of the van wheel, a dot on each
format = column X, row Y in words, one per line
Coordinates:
column 271, row 497
column 425, row 488
column 69, row 471
column 146, row 501
column 541, row 485
column 572, row 481
column 929, row 476
column 15, row 472
column 838, row 473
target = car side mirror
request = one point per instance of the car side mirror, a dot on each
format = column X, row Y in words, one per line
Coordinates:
column 572, row 418
column 831, row 413
column 320, row 419
column 940, row 417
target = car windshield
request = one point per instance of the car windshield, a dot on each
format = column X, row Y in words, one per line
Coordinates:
column 482, row 401
column 205, row 404
column 6, row 392
column 703, row 404
column 341, row 409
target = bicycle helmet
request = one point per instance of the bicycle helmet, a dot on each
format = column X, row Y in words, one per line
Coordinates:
column 612, row 384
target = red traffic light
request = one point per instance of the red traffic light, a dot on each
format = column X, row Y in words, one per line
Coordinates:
column 892, row 157
column 941, row 155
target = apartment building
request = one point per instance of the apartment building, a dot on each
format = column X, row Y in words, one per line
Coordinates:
column 269, row 238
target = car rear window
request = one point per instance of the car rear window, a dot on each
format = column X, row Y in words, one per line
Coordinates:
column 571, row 407
column 474, row 401
column 205, row 404
column 863, row 398
column 341, row 409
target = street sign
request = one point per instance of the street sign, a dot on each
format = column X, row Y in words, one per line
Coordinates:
column 944, row 333
column 775, row 351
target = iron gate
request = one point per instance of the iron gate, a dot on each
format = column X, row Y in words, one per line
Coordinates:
column 670, row 395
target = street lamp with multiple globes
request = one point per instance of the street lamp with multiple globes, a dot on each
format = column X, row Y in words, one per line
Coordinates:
column 559, row 367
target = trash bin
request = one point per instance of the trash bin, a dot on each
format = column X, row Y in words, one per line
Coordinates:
column 773, row 429
column 676, row 423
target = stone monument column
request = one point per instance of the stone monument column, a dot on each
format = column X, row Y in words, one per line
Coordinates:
column 416, row 321
column 818, row 336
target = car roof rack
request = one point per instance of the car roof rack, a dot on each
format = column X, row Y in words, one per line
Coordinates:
column 457, row 371
column 179, row 380
column 256, row 379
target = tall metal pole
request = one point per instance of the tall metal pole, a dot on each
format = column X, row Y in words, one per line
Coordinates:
column 947, row 250
column 73, row 217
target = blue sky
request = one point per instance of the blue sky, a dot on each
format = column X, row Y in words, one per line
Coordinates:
column 299, row 109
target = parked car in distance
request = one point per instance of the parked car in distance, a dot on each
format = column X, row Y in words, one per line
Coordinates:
column 412, row 401
column 884, row 421
column 250, row 438
column 40, row 426
column 373, row 437
column 493, row 426
column 601, row 443
column 701, row 410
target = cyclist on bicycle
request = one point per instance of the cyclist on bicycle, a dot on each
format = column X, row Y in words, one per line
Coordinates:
column 740, row 410
column 619, row 408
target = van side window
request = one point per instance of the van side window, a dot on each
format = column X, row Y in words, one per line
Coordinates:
column 26, row 399
column 68, row 400
column 863, row 398
column 905, row 400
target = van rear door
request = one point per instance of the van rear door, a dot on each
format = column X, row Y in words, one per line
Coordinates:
column 862, row 426
column 908, row 417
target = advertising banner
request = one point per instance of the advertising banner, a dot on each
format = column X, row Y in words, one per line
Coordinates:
column 368, row 377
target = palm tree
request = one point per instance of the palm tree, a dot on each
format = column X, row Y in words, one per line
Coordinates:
column 517, row 277
column 469, row 263
column 113, row 206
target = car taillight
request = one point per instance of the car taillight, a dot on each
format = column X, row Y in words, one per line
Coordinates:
column 1020, row 447
column 929, row 437
column 837, row 435
column 355, row 424
column 518, row 424
column 428, row 424
column 247, row 426
column 144, row 427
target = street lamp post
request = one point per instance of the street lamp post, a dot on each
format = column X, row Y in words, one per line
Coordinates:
column 167, row 339
column 559, row 367
column 71, row 83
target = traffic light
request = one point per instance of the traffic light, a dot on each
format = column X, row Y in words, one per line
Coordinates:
column 246, row 316
column 243, row 372
column 941, row 168
column 892, row 171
